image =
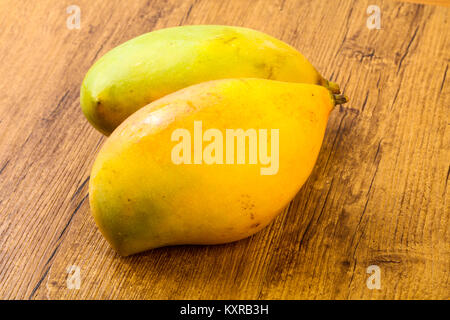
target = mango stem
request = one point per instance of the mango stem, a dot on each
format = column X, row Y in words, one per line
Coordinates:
column 340, row 98
column 334, row 87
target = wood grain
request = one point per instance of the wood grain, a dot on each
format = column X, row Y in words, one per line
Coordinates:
column 378, row 194
column 445, row 3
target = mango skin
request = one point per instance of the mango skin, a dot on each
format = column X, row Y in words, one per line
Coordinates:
column 141, row 200
column 155, row 64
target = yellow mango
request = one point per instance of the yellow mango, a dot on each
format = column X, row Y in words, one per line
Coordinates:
column 147, row 191
column 155, row 64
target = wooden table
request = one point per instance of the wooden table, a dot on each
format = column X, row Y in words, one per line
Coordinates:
column 377, row 196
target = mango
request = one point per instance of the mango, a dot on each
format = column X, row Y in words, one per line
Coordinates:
column 209, row 164
column 155, row 64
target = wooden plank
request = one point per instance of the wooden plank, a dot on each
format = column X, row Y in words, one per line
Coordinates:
column 378, row 194
column 445, row 3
